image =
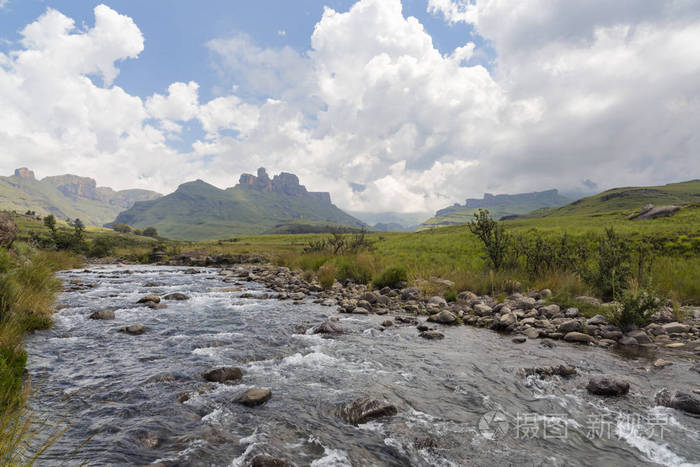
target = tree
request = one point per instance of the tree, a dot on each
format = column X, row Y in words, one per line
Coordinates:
column 150, row 232
column 79, row 229
column 50, row 222
column 492, row 234
column 122, row 228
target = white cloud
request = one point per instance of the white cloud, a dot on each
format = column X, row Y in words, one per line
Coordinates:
column 3, row 3
column 56, row 120
column 602, row 91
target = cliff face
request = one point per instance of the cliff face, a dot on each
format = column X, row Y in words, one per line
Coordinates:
column 285, row 183
column 67, row 196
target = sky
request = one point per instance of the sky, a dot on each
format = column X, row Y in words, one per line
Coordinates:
column 390, row 105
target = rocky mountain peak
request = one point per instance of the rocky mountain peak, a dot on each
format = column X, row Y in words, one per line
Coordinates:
column 24, row 173
column 285, row 183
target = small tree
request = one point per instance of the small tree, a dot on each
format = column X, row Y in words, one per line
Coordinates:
column 50, row 222
column 122, row 228
column 79, row 229
column 614, row 265
column 150, row 232
column 492, row 234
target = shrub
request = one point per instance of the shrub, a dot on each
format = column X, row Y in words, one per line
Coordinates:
column 326, row 275
column 122, row 228
column 636, row 308
column 493, row 235
column 450, row 295
column 390, row 277
column 613, row 270
column 150, row 232
column 359, row 269
column 101, row 247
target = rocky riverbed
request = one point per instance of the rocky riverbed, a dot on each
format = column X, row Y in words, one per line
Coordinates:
column 253, row 365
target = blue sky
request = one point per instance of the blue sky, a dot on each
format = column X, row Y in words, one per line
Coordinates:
column 422, row 102
column 176, row 33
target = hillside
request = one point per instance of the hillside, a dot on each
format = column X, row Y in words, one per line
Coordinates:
column 498, row 205
column 392, row 221
column 66, row 197
column 627, row 200
column 200, row 211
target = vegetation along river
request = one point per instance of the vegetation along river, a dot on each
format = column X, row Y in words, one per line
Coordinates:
column 462, row 400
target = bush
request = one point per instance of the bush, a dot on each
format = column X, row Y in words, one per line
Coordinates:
column 613, row 270
column 101, row 247
column 150, row 232
column 636, row 308
column 326, row 276
column 450, row 295
column 390, row 277
column 496, row 240
column 122, row 228
column 358, row 269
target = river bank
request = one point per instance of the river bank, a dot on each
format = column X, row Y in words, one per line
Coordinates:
column 144, row 397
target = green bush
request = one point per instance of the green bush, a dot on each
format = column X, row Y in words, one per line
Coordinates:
column 613, row 271
column 326, row 275
column 636, row 308
column 450, row 295
column 359, row 269
column 101, row 247
column 390, row 277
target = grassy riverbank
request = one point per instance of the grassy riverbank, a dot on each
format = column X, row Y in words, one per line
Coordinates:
column 28, row 286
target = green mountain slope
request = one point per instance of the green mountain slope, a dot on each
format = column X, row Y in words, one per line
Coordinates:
column 199, row 211
column 628, row 199
column 66, row 197
column 498, row 205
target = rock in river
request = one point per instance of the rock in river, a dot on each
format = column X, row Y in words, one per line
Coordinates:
column 149, row 298
column 607, row 386
column 255, row 396
column 578, row 337
column 432, row 335
column 327, row 327
column 133, row 329
column 102, row 314
column 269, row 461
column 223, row 374
column 365, row 409
column 176, row 296
column 679, row 401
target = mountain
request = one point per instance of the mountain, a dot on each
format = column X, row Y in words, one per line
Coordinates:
column 258, row 204
column 498, row 205
column 67, row 197
column 627, row 199
column 392, row 221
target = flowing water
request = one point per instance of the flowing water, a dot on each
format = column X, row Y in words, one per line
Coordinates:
column 460, row 400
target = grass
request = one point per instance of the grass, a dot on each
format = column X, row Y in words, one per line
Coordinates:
column 28, row 286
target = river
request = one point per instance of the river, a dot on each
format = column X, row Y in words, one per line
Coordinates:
column 461, row 400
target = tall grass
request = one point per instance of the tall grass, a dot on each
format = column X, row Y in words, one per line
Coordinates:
column 27, row 290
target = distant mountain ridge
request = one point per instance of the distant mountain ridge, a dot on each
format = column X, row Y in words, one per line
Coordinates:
column 67, row 197
column 257, row 204
column 501, row 205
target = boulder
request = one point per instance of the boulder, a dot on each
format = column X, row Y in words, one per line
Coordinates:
column 269, row 461
column 675, row 328
column 564, row 371
column 223, row 374
column 445, row 317
column 388, row 323
column 679, row 401
column 133, row 329
column 661, row 363
column 628, row 340
column 358, row 310
column 597, row 319
column 569, row 326
column 176, row 296
column 550, row 311
column 410, row 293
column 482, row 310
column 8, row 230
column 439, row 301
column 102, row 314
column 366, row 409
column 432, row 335
column 254, row 397
column 327, row 327
column 578, row 337
column 607, row 386
column 532, row 333
column 506, row 320
column 369, row 297
column 149, row 298
column 526, row 303
column 466, row 296
column 640, row 336
column 519, row 339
